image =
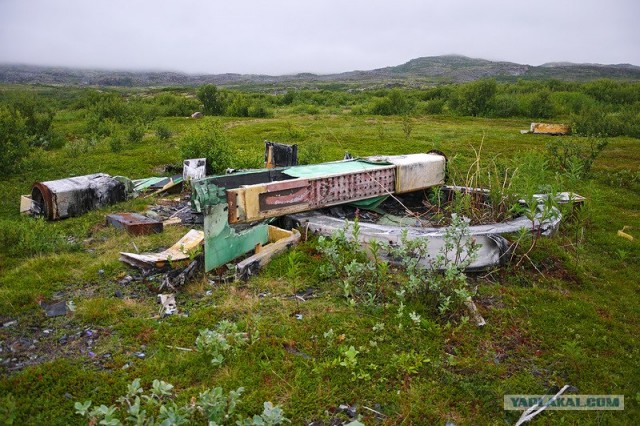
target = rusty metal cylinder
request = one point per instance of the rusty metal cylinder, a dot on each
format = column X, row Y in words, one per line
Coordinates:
column 59, row 199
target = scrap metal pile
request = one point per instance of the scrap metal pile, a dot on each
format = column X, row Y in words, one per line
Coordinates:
column 237, row 210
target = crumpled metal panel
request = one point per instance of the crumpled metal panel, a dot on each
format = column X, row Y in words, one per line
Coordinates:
column 74, row 196
column 178, row 253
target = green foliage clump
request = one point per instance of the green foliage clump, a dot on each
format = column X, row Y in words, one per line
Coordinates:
column 207, row 140
column 312, row 153
column 115, row 144
column 157, row 407
column 13, row 141
column 212, row 99
column 163, row 132
column 475, row 98
column 135, row 133
column 443, row 283
column 38, row 117
column 575, row 158
column 395, row 103
column 224, row 338
column 539, row 105
column 176, row 105
column 364, row 274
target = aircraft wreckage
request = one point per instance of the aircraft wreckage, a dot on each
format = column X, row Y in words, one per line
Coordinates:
column 238, row 209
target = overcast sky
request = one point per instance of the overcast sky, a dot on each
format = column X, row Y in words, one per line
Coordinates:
column 320, row 36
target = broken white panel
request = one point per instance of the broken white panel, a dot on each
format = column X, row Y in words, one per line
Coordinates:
column 194, row 168
column 415, row 171
column 26, row 204
column 168, row 302
column 179, row 252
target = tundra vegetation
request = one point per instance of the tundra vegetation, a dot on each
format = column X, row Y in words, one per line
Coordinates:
column 326, row 323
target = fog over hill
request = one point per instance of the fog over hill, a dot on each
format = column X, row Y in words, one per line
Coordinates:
column 416, row 72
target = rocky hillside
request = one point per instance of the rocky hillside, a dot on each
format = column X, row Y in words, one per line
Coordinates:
column 416, row 72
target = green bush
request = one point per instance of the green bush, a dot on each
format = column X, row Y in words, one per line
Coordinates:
column 212, row 99
column 474, row 98
column 434, row 106
column 239, row 107
column 115, row 143
column 575, row 158
column 207, row 140
column 174, row 105
column 259, row 110
column 163, row 132
column 539, row 105
column 37, row 115
column 157, row 406
column 395, row 103
column 505, row 106
column 135, row 133
column 13, row 141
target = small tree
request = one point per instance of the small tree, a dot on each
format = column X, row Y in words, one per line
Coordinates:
column 212, row 100
column 207, row 140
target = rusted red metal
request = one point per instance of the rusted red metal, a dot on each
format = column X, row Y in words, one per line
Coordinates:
column 332, row 190
column 283, row 197
column 134, row 223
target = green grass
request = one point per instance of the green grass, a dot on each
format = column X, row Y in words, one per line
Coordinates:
column 574, row 321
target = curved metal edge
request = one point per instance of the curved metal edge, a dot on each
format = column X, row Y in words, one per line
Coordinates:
column 47, row 206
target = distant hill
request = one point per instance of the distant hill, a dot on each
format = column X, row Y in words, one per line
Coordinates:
column 417, row 72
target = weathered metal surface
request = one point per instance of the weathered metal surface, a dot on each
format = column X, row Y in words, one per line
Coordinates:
column 257, row 202
column 415, row 171
column 158, row 184
column 195, row 168
column 493, row 248
column 279, row 241
column 178, row 254
column 134, row 223
column 63, row 198
column 255, row 196
column 280, row 155
column 550, row 129
column 222, row 243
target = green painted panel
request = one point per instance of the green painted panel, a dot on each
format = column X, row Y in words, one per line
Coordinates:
column 327, row 169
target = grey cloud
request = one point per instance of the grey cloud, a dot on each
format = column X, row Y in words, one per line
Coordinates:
column 276, row 37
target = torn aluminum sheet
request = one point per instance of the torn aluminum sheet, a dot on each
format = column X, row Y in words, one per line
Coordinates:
column 134, row 223
column 157, row 185
column 168, row 302
column 279, row 241
column 59, row 199
column 194, row 168
column 179, row 253
column 493, row 247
